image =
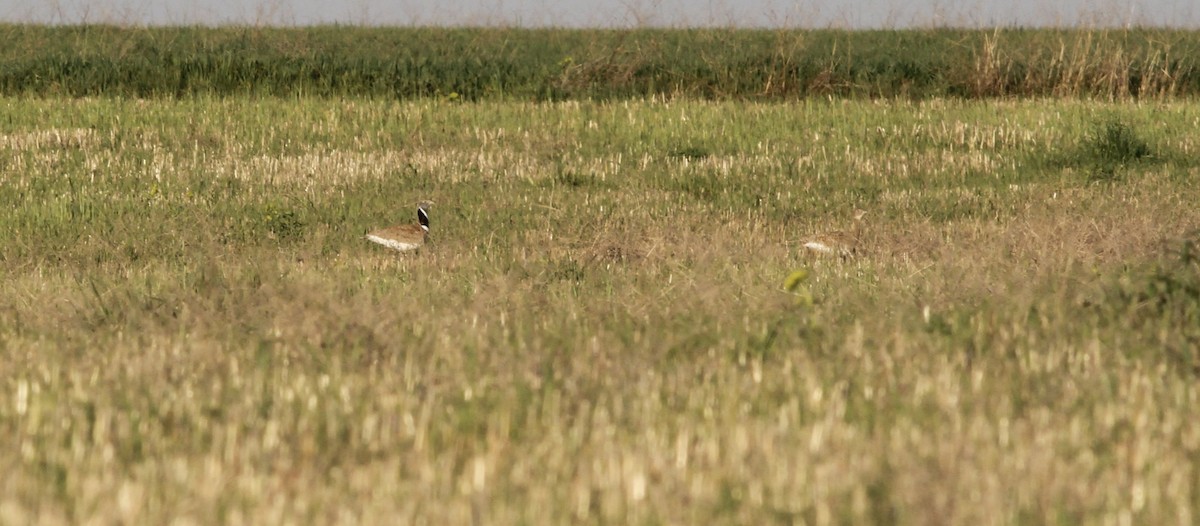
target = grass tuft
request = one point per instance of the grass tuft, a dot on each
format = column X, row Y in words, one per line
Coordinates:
column 1110, row 147
column 691, row 152
column 1116, row 144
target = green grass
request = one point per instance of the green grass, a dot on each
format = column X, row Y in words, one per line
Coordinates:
column 194, row 330
column 558, row 64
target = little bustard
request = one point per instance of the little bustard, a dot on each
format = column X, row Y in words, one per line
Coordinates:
column 842, row 243
column 404, row 237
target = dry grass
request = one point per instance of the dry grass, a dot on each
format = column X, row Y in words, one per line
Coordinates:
column 194, row 332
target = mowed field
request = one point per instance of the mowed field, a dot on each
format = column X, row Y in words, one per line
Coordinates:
column 599, row 331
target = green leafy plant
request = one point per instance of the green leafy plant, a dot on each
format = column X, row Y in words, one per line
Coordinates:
column 796, row 284
column 282, row 224
column 1164, row 296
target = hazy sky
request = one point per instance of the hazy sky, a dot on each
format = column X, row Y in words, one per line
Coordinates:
column 615, row 13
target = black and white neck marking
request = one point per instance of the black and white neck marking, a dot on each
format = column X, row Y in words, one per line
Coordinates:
column 423, row 218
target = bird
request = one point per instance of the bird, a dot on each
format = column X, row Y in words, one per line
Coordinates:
column 842, row 243
column 404, row 238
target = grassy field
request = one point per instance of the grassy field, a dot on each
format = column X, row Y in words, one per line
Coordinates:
column 195, row 332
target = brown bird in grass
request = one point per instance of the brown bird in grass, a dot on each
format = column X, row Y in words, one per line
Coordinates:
column 404, row 237
column 840, row 243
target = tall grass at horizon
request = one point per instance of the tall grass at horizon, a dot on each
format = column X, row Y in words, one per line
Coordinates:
column 558, row 64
